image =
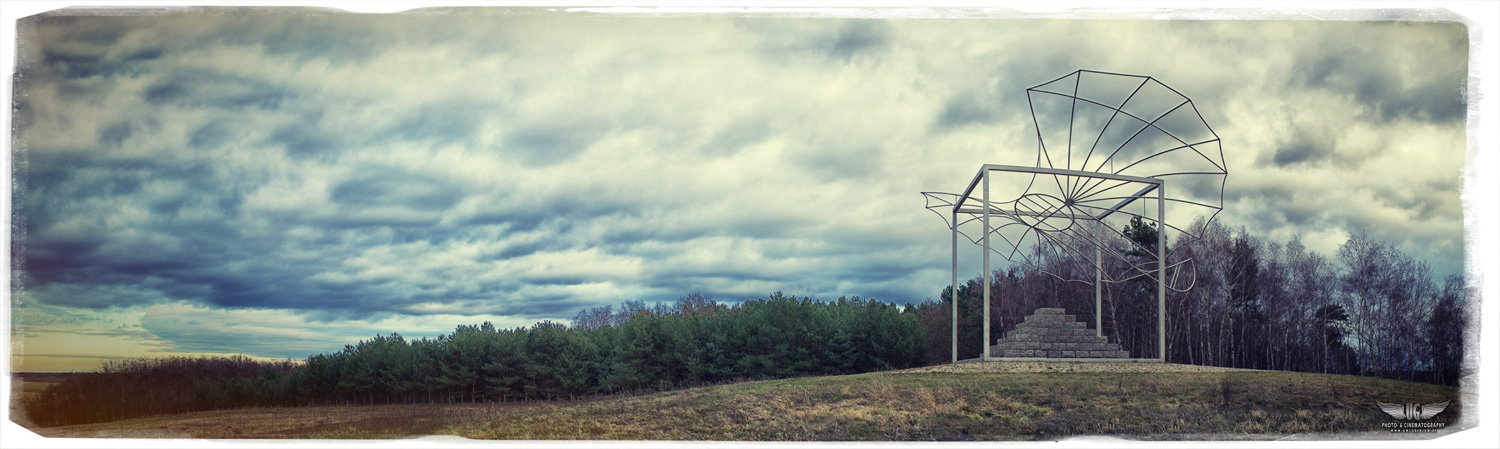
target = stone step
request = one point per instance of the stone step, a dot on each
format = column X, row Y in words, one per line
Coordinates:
column 1048, row 311
column 1057, row 317
column 1049, row 331
column 1061, row 354
column 1088, row 340
column 1033, row 321
column 1057, row 346
column 1039, row 326
column 1055, row 338
column 1076, row 337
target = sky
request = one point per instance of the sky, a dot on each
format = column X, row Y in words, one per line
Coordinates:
column 280, row 182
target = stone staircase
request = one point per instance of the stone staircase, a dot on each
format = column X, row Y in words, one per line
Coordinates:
column 1051, row 334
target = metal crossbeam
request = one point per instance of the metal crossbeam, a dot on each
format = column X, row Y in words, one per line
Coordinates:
column 1026, row 214
column 1048, row 171
column 1127, row 201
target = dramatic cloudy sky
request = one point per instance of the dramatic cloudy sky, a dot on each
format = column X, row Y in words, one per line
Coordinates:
column 279, row 182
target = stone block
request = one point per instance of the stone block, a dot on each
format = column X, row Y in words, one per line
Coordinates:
column 1042, row 322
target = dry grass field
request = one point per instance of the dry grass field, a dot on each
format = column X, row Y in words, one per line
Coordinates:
column 380, row 422
column 992, row 403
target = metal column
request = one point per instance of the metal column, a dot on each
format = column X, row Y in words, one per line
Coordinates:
column 1098, row 293
column 953, row 295
column 985, row 197
column 1161, row 273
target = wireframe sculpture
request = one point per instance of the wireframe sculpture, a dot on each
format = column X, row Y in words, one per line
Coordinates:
column 1106, row 142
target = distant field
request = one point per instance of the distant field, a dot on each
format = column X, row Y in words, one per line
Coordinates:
column 993, row 404
column 21, row 387
column 33, row 385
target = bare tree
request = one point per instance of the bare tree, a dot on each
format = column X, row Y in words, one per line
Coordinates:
column 1445, row 331
column 629, row 309
column 593, row 318
column 696, row 303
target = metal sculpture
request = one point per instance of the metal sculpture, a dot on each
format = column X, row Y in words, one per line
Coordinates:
column 1105, row 143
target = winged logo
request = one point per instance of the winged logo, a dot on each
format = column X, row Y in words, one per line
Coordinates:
column 1412, row 410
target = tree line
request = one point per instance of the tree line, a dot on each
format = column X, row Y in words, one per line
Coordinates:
column 636, row 348
column 1369, row 310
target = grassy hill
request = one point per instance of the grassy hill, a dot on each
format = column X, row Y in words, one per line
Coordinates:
column 1042, row 402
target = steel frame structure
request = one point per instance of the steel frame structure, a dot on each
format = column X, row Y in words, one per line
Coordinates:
column 1096, row 132
column 986, row 209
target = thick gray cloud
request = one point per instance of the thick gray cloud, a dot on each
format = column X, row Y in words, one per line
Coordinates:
column 861, row 37
column 525, row 164
column 1353, row 69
